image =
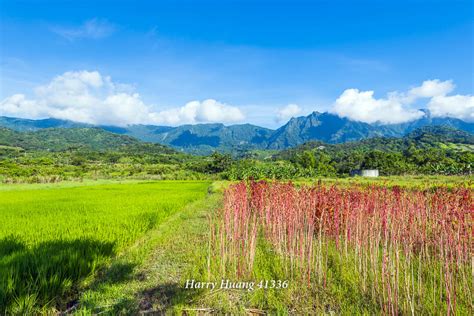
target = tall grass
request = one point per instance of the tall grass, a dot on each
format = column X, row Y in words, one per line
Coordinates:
column 54, row 237
column 406, row 251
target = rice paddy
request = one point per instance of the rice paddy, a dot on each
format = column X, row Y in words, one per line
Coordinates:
column 54, row 238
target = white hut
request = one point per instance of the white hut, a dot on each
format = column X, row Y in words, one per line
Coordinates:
column 373, row 173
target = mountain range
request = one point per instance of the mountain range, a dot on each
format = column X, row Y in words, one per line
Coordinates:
column 206, row 138
column 63, row 139
column 423, row 138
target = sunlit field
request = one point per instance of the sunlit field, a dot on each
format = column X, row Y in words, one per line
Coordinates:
column 54, row 237
column 408, row 181
column 347, row 249
column 340, row 246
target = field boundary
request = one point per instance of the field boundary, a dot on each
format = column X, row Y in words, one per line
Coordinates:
column 146, row 277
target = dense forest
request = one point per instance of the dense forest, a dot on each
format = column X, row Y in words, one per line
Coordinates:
column 57, row 154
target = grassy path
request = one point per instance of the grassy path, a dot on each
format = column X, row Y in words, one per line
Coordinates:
column 149, row 276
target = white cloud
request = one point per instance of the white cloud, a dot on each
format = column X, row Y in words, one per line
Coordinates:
column 432, row 88
column 289, row 111
column 362, row 106
column 397, row 106
column 458, row 106
column 18, row 105
column 93, row 29
column 199, row 112
column 89, row 97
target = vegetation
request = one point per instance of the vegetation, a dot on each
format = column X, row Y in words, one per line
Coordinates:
column 160, row 261
column 54, row 239
column 51, row 155
column 90, row 243
column 432, row 150
column 203, row 139
column 130, row 247
column 88, row 139
column 356, row 250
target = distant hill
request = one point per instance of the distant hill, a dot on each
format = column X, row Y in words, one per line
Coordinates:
column 325, row 127
column 423, row 138
column 205, row 138
column 330, row 128
column 20, row 124
column 441, row 134
column 61, row 139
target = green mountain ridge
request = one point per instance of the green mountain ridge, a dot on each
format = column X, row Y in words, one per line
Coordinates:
column 203, row 139
column 86, row 138
column 97, row 139
column 424, row 138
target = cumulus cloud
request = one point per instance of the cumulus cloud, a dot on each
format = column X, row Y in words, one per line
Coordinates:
column 197, row 112
column 397, row 107
column 89, row 97
column 289, row 111
column 362, row 106
column 432, row 88
column 19, row 105
column 458, row 106
column 92, row 29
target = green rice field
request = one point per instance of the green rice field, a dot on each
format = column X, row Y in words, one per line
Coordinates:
column 53, row 238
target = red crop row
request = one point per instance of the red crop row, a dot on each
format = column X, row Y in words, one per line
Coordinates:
column 406, row 246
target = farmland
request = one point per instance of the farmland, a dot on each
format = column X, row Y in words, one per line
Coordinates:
column 95, row 222
column 348, row 249
column 395, row 245
column 54, row 238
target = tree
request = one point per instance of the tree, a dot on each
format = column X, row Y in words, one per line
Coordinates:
column 219, row 162
column 324, row 165
column 307, row 160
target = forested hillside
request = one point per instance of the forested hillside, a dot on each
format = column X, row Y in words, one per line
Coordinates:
column 428, row 150
column 61, row 139
column 203, row 139
column 55, row 154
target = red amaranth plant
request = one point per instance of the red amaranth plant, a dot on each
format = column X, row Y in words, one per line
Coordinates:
column 392, row 236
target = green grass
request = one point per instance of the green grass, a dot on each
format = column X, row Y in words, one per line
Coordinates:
column 454, row 146
column 62, row 185
column 160, row 262
column 419, row 182
column 416, row 182
column 53, row 238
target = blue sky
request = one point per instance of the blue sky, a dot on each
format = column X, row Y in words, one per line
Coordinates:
column 260, row 61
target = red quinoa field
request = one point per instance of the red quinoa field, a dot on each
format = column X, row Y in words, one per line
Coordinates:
column 403, row 251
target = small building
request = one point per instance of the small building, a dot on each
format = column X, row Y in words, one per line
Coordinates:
column 372, row 173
